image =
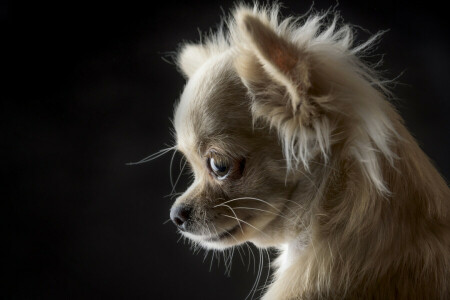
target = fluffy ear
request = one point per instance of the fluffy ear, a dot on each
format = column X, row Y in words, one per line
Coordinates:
column 191, row 57
column 278, row 76
column 271, row 60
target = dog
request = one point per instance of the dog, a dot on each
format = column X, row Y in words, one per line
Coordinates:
column 293, row 145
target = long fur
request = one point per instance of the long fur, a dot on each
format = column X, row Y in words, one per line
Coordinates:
column 369, row 215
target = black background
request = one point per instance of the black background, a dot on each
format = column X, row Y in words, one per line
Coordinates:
column 88, row 91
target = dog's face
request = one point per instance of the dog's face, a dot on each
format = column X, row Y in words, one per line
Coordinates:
column 237, row 104
column 239, row 187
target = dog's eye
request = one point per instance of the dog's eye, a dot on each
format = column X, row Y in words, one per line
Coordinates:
column 220, row 167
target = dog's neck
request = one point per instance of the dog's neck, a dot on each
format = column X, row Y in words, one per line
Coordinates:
column 341, row 211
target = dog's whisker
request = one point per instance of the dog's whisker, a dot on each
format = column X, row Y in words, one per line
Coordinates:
column 248, row 198
column 237, row 219
column 258, row 199
column 153, row 156
column 170, row 170
column 234, row 238
column 256, row 283
column 251, row 255
column 173, row 195
column 263, row 210
column 181, row 237
column 268, row 269
column 178, row 178
column 234, row 213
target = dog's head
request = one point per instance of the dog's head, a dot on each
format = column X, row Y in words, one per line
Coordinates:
column 243, row 123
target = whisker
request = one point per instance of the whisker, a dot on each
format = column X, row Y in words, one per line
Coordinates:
column 170, row 170
column 178, row 178
column 263, row 210
column 218, row 256
column 268, row 272
column 250, row 251
column 244, row 223
column 181, row 236
column 212, row 260
column 234, row 213
column 153, row 156
column 263, row 201
column 298, row 204
column 255, row 284
column 225, row 261
column 171, row 195
column 233, row 237
column 248, row 198
column 206, row 255
column 230, row 261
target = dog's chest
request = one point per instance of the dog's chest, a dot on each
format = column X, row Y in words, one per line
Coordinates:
column 290, row 252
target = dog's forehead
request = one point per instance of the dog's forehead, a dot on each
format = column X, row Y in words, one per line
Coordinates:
column 210, row 98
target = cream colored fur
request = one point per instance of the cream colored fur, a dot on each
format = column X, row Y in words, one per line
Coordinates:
column 322, row 167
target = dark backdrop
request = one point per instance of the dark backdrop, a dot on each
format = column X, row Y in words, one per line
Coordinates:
column 87, row 91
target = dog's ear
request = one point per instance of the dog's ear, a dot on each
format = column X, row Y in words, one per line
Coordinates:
column 271, row 64
column 191, row 57
column 280, row 81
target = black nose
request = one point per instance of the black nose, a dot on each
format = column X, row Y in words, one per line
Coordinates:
column 180, row 215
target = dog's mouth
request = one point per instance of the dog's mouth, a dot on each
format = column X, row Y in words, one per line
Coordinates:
column 221, row 237
column 224, row 234
column 230, row 233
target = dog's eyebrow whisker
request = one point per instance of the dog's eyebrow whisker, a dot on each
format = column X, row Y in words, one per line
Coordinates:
column 170, row 170
column 168, row 220
column 178, row 178
column 153, row 156
column 171, row 195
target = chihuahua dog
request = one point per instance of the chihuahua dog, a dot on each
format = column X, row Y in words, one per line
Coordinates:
column 293, row 145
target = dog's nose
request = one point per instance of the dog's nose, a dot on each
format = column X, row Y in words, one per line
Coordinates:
column 180, row 215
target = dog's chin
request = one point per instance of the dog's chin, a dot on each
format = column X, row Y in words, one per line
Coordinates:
column 233, row 235
column 227, row 238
